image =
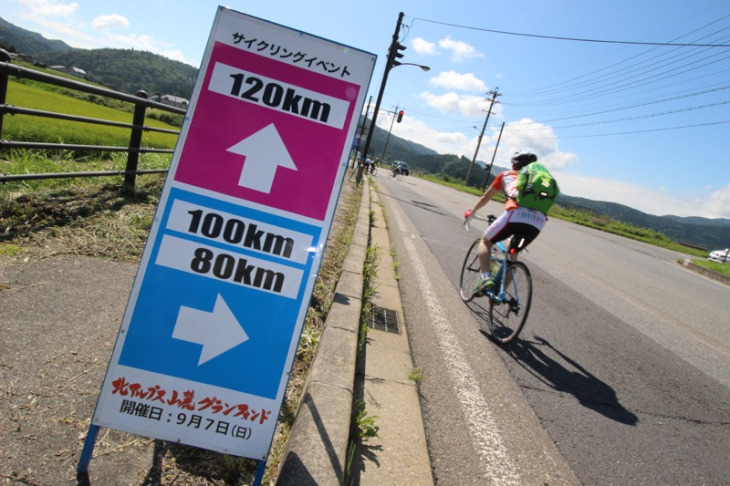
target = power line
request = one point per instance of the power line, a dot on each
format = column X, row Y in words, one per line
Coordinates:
column 650, row 115
column 552, row 89
column 668, row 67
column 574, row 39
column 647, row 130
column 629, row 75
column 638, row 105
column 634, row 82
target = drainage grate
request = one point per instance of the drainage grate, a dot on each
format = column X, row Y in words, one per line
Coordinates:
column 384, row 320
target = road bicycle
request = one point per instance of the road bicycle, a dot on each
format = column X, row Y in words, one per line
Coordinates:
column 510, row 297
column 397, row 173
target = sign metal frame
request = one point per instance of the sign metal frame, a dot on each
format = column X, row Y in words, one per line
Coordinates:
column 210, row 332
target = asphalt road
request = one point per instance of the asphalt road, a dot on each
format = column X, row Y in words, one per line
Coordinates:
column 622, row 371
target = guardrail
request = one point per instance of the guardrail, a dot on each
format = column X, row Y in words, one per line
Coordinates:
column 137, row 127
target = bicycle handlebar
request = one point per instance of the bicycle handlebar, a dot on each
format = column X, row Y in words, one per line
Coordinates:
column 467, row 214
column 515, row 245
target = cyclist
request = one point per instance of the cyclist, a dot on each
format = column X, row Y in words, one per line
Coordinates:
column 368, row 164
column 515, row 219
column 373, row 166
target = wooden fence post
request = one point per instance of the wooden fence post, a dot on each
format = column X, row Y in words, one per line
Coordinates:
column 135, row 142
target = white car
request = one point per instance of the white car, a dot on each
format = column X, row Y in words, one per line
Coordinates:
column 720, row 255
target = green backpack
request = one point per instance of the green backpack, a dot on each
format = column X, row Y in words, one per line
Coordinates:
column 536, row 188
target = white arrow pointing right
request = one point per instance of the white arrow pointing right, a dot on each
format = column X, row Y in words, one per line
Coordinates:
column 218, row 331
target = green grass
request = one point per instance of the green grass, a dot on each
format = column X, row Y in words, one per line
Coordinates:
column 19, row 162
column 590, row 219
column 609, row 225
column 38, row 129
column 723, row 268
column 453, row 183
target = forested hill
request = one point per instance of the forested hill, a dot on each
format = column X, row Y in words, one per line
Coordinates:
column 694, row 231
column 123, row 70
column 710, row 234
column 128, row 70
column 16, row 39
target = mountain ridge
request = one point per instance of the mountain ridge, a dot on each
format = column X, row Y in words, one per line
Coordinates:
column 696, row 231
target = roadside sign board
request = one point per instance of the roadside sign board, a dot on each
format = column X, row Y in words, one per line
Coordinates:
column 211, row 329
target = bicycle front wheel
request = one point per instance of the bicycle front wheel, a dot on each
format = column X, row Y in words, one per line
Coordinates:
column 470, row 272
column 507, row 316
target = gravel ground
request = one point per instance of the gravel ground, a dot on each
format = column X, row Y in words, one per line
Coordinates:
column 60, row 316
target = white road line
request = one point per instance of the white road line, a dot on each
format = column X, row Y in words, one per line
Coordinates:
column 482, row 427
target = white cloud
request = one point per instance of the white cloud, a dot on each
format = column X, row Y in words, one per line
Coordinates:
column 76, row 34
column 424, row 47
column 460, row 51
column 472, row 106
column 541, row 139
column 103, row 22
column 718, row 203
column 419, row 132
column 463, row 82
column 713, row 205
column 144, row 42
column 644, row 199
column 538, row 138
column 48, row 8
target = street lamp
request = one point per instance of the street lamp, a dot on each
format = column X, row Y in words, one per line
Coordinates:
column 425, row 68
column 393, row 55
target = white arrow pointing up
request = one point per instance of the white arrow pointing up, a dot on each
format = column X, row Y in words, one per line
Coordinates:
column 265, row 152
column 217, row 331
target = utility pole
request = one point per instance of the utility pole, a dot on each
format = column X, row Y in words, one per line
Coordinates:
column 365, row 120
column 362, row 130
column 491, row 164
column 393, row 54
column 494, row 94
column 395, row 114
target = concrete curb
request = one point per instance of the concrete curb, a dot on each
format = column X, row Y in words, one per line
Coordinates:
column 317, row 449
column 706, row 272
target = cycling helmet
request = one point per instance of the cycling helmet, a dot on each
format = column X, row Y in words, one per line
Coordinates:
column 521, row 159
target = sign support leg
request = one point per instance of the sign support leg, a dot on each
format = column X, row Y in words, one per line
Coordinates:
column 88, row 449
column 259, row 473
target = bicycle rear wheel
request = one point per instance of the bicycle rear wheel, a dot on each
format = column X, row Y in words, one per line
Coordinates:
column 470, row 272
column 507, row 316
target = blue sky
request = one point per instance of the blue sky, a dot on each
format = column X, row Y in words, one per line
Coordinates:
column 582, row 83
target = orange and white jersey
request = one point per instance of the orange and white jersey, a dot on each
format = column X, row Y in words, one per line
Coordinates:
column 507, row 182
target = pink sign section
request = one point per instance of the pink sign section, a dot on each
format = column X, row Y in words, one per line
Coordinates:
column 267, row 132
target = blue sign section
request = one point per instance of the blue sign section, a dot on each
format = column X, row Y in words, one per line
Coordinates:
column 215, row 263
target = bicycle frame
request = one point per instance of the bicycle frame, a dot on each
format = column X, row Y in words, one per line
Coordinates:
column 502, row 275
column 510, row 299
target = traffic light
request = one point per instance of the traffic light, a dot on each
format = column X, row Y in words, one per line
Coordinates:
column 396, row 54
column 400, row 116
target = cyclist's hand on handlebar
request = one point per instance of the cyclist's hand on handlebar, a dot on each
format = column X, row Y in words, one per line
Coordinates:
column 467, row 216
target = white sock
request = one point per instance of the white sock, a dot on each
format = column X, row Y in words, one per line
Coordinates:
column 486, row 275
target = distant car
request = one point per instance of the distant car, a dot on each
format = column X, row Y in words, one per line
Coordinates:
column 401, row 166
column 722, row 256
